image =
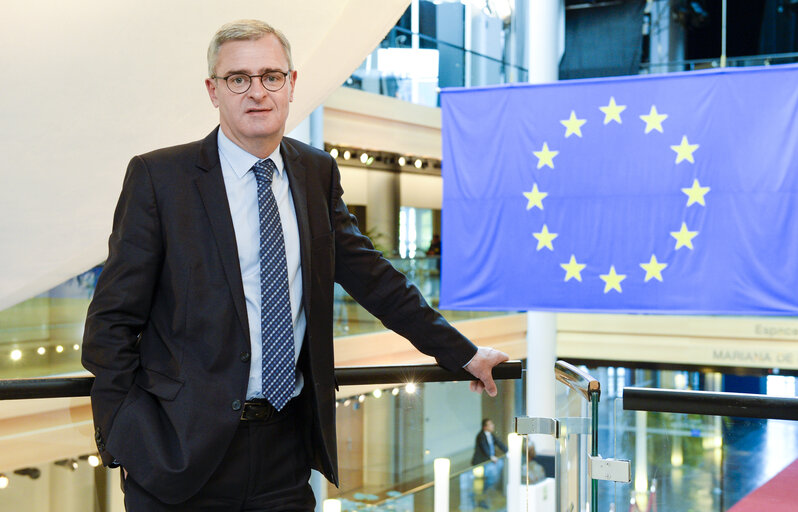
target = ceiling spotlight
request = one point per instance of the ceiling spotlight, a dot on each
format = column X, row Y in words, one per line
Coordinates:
column 361, row 398
column 395, row 391
column 402, row 160
column 347, row 155
column 334, row 152
column 59, row 349
column 3, row 481
column 377, row 393
column 16, row 355
column 410, row 388
column 347, row 402
column 418, row 163
column 364, row 157
column 337, row 404
column 75, row 347
column 93, row 461
column 41, row 351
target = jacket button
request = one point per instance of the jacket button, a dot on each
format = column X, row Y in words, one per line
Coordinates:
column 244, row 357
column 236, row 405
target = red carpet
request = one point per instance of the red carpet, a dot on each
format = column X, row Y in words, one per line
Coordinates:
column 780, row 493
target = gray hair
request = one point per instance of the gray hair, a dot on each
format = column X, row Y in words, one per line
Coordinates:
column 243, row 30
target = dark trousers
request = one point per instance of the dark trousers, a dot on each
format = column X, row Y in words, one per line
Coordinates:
column 266, row 468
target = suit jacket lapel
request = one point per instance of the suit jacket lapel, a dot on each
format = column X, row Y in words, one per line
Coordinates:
column 214, row 197
column 297, row 178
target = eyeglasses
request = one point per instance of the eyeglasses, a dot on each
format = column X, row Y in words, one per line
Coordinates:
column 239, row 83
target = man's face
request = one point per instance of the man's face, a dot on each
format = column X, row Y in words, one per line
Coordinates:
column 489, row 426
column 255, row 120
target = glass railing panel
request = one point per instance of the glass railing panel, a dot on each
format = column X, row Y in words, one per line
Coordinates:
column 42, row 336
column 389, row 440
column 424, row 271
column 684, row 462
column 574, row 414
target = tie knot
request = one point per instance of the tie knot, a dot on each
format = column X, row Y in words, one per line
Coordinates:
column 264, row 169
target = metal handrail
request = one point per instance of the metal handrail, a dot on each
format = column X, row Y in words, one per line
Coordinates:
column 710, row 403
column 60, row 387
column 577, row 380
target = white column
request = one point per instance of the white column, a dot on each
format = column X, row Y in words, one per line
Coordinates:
column 546, row 41
column 116, row 498
column 541, row 347
column 641, row 455
column 319, row 486
column 545, row 45
column 514, row 462
column 441, row 470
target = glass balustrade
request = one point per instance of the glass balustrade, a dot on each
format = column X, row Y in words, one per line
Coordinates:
column 684, row 462
column 42, row 336
column 391, row 439
column 397, row 69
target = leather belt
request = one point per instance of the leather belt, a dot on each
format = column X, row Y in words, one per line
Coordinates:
column 258, row 410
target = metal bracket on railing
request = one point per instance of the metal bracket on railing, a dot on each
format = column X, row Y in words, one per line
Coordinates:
column 613, row 470
column 526, row 425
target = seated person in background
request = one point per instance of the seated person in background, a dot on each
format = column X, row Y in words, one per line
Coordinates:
column 531, row 471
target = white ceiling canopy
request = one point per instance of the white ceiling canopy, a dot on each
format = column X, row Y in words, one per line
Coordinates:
column 90, row 83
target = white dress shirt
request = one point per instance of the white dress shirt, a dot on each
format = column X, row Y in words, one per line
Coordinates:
column 242, row 196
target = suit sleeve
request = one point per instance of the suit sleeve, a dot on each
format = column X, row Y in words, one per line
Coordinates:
column 387, row 294
column 121, row 304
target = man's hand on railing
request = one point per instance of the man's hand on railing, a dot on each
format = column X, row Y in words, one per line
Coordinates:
column 481, row 367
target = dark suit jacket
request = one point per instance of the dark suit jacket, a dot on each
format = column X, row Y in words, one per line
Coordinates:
column 167, row 336
column 482, row 448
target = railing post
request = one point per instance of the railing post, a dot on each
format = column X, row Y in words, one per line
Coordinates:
column 441, row 469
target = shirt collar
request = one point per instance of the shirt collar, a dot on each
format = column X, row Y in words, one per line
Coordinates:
column 242, row 161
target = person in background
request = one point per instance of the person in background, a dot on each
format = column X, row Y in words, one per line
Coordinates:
column 485, row 450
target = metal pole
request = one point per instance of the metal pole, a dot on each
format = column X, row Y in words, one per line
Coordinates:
column 723, row 36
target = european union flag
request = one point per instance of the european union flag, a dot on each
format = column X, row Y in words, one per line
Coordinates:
column 669, row 193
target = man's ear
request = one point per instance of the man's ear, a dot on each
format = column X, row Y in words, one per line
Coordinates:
column 210, row 84
column 293, row 76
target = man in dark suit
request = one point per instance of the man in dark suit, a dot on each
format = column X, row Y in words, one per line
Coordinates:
column 485, row 450
column 210, row 332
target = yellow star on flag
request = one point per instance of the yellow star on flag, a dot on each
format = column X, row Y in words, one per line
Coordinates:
column 573, row 125
column 653, row 268
column 684, row 238
column 612, row 281
column 545, row 156
column 535, row 197
column 612, row 112
column 684, row 151
column 573, row 269
column 545, row 238
column 696, row 193
column 654, row 120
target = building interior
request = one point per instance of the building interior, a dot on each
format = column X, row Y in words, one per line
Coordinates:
column 370, row 75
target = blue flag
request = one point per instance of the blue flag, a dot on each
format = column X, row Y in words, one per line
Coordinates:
column 671, row 193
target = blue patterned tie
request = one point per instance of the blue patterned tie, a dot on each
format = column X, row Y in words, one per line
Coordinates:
column 277, row 331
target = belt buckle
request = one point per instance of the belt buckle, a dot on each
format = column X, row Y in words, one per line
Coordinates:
column 257, row 412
